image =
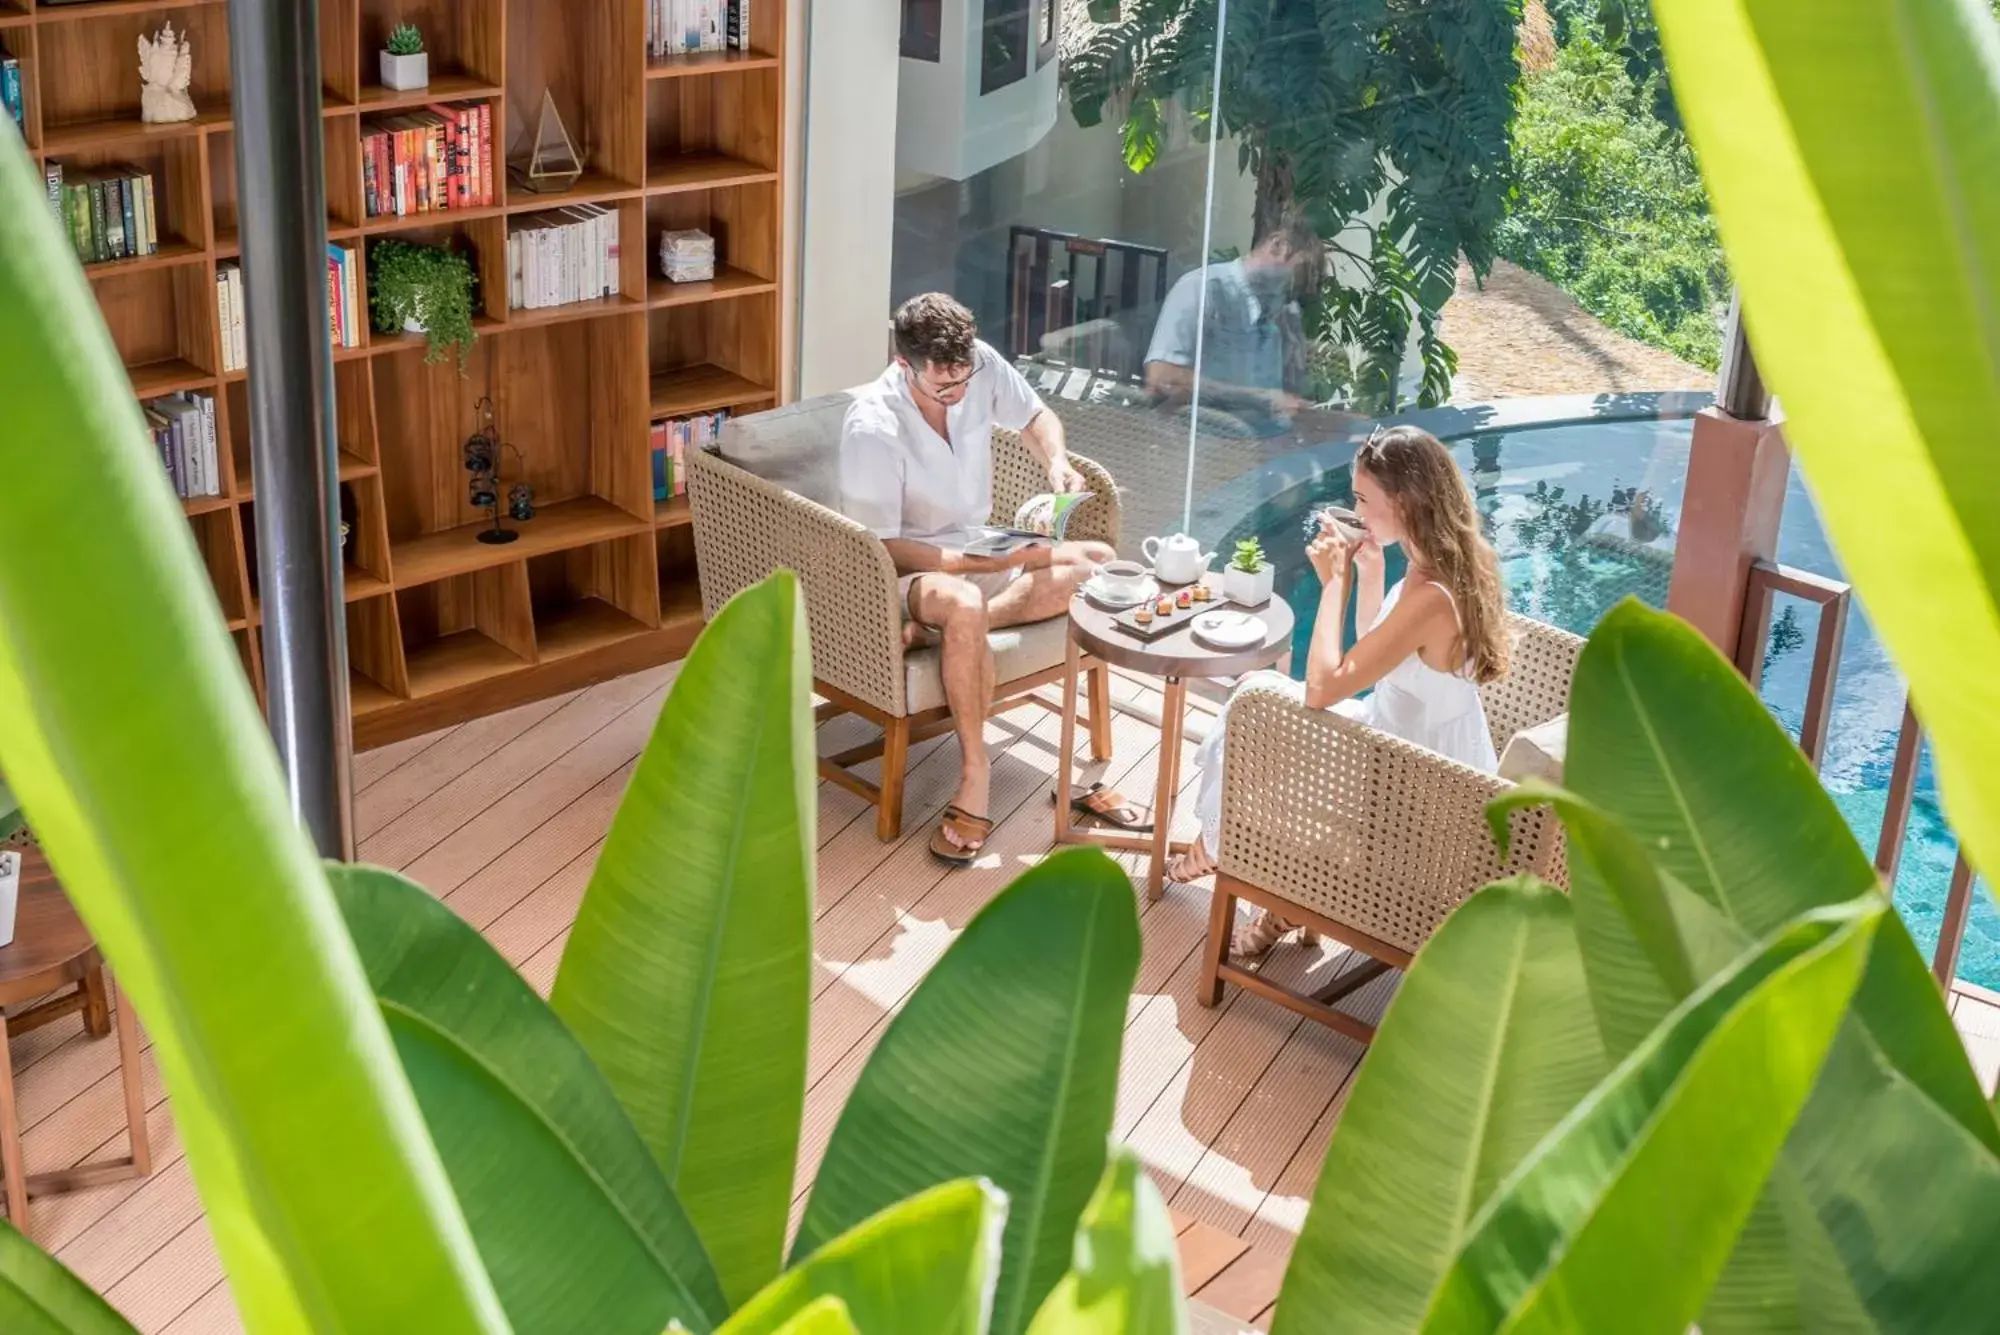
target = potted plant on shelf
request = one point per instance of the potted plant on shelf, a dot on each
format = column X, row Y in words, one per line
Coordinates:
column 406, row 66
column 1246, row 580
column 423, row 290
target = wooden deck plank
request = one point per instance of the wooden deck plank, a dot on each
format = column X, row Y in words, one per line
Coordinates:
column 1248, row 1286
column 214, row 1313
column 428, row 822
column 1978, row 1021
column 499, row 827
column 575, row 831
column 371, row 767
column 1205, row 1253
column 463, row 748
column 62, row 1219
column 169, row 1281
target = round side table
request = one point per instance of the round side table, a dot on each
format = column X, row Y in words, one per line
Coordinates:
column 1175, row 658
column 52, row 952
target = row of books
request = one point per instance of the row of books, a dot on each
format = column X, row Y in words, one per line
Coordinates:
column 675, row 27
column 10, row 90
column 439, row 157
column 669, row 444
column 561, row 256
column 109, row 211
column 343, row 301
column 183, row 427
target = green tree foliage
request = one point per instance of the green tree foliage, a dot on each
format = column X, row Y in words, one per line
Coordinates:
column 1611, row 207
column 1338, row 105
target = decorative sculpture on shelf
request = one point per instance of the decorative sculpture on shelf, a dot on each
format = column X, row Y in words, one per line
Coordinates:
column 552, row 163
column 482, row 459
column 166, row 65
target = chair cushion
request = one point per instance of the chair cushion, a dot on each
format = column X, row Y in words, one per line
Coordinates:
column 1017, row 651
column 796, row 446
column 1537, row 752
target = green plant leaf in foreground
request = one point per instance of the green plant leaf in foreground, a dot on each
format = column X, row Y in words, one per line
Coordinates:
column 1126, row 1276
column 130, row 735
column 1002, row 1064
column 1850, row 154
column 39, row 1295
column 925, row 1264
column 687, row 974
column 822, row 1316
column 574, row 1220
column 1897, row 1141
column 1487, row 1045
column 1625, row 1214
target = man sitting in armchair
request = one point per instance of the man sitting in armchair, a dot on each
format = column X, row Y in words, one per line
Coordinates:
column 915, row 468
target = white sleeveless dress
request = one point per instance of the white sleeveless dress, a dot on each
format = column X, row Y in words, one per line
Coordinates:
column 1414, row 701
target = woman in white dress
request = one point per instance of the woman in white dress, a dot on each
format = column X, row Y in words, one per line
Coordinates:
column 1426, row 645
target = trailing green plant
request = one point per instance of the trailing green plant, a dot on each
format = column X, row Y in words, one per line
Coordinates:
column 1610, row 206
column 405, row 39
column 1386, row 123
column 431, row 286
column 1249, row 557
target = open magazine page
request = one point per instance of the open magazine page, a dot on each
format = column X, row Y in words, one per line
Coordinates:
column 1042, row 519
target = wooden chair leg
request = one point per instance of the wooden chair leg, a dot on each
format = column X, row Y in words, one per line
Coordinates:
column 1214, row 950
column 895, row 765
column 135, row 1096
column 10, row 1139
column 96, row 1007
column 1100, row 712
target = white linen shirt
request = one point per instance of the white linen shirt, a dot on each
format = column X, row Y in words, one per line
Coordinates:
column 902, row 480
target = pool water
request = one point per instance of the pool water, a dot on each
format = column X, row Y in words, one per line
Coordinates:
column 1583, row 515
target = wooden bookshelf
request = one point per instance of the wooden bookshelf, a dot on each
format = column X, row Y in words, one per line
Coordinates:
column 440, row 626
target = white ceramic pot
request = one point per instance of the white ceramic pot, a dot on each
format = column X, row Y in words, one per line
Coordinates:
column 406, row 74
column 10, row 892
column 1245, row 588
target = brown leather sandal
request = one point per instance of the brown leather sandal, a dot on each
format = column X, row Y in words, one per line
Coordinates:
column 1097, row 802
column 972, row 832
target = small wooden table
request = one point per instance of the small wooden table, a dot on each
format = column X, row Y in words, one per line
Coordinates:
column 52, row 951
column 1174, row 658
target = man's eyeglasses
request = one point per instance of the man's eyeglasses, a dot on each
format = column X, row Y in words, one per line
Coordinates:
column 939, row 390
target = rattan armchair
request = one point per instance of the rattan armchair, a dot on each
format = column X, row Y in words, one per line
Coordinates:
column 765, row 502
column 1364, row 837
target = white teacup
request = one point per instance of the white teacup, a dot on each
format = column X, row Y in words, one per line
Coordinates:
column 1122, row 579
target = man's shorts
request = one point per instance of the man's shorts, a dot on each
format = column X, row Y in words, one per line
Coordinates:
column 989, row 583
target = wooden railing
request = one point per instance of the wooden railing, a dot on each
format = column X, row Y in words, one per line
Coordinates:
column 1833, row 600
column 1047, row 272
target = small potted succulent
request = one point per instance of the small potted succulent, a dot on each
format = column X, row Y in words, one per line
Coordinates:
column 406, row 66
column 1246, row 580
column 423, row 290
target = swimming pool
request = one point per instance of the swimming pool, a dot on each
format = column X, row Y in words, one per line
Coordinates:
column 1584, row 514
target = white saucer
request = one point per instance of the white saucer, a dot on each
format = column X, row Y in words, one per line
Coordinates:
column 1230, row 630
column 1097, row 594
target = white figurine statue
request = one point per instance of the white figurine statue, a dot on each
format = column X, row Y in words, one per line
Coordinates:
column 166, row 63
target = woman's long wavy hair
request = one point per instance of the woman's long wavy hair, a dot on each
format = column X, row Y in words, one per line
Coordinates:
column 1441, row 532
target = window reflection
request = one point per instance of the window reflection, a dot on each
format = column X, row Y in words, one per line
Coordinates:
column 1003, row 48
column 923, row 29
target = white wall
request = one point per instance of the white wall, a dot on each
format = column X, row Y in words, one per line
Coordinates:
column 847, row 221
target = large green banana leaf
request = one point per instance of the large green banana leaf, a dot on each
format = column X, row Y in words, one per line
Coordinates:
column 925, row 1265
column 1003, row 1064
column 823, row 1316
column 128, row 731
column 687, row 974
column 573, row 1218
column 1125, row 1278
column 1623, row 1217
column 1898, row 1142
column 1851, row 149
column 1487, row 1045
column 40, row 1296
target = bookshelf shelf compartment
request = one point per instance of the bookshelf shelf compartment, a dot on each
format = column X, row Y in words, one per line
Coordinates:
column 124, row 131
column 524, row 318
column 566, row 524
column 583, row 627
column 674, row 512
column 448, row 86
column 700, row 389
column 708, row 62
column 94, row 9
column 170, row 253
column 703, row 171
column 728, row 282
column 150, row 380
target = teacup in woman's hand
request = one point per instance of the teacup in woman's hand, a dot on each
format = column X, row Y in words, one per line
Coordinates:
column 1341, row 520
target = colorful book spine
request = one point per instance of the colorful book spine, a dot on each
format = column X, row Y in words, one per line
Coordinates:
column 52, row 177
column 10, row 92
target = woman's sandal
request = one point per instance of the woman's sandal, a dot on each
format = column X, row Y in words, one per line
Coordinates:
column 972, row 832
column 1098, row 802
column 1254, row 939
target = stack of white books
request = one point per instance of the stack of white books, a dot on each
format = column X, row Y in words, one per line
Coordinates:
column 687, row 256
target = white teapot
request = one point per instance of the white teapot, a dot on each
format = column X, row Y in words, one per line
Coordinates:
column 1178, row 559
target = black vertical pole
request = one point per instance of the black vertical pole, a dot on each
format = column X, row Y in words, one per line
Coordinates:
column 281, row 208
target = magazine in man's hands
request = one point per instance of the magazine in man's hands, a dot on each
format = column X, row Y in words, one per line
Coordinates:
column 1041, row 520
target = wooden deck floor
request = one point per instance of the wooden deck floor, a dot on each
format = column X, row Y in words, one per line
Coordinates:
column 1231, row 1108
